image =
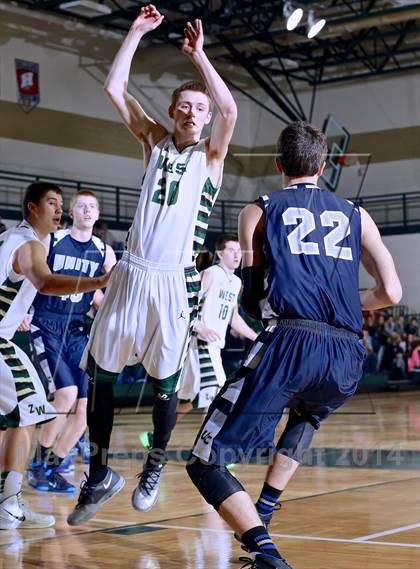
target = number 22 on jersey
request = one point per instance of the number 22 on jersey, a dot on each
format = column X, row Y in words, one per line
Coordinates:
column 305, row 222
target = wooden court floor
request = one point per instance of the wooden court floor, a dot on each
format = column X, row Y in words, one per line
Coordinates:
column 354, row 504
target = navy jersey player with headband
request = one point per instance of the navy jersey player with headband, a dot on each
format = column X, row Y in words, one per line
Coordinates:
column 309, row 359
column 60, row 322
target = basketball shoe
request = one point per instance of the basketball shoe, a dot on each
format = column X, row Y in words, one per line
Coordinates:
column 261, row 561
column 147, row 492
column 11, row 516
column 92, row 496
column 33, row 520
column 47, row 479
column 146, row 439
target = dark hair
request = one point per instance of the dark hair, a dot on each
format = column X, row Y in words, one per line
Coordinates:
column 35, row 192
column 301, row 149
column 191, row 86
column 223, row 239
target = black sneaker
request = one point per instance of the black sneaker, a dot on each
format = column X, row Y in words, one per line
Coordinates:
column 262, row 561
column 94, row 495
column 47, row 479
column 265, row 518
column 147, row 492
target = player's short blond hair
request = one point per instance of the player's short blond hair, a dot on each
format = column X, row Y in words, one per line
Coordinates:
column 191, row 86
column 76, row 196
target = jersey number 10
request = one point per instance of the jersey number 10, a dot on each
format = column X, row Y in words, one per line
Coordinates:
column 336, row 219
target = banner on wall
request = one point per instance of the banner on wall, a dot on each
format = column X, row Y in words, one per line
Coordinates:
column 27, row 77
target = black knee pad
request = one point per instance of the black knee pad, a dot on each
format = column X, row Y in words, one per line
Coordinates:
column 215, row 483
column 296, row 437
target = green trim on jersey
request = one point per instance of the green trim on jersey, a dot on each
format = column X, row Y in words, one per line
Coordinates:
column 11, row 420
column 96, row 373
column 166, row 385
column 23, row 383
column 8, row 292
column 207, row 374
column 208, row 197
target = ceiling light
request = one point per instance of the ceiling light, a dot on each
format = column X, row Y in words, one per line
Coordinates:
column 292, row 15
column 314, row 26
column 86, row 8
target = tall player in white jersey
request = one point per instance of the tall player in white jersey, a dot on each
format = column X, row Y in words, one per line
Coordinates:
column 23, row 273
column 148, row 311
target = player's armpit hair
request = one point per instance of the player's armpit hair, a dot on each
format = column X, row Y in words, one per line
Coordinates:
column 253, row 291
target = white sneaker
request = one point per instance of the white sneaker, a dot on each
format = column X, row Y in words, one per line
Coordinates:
column 11, row 516
column 33, row 520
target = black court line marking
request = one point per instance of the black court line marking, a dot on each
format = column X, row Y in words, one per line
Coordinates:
column 352, row 488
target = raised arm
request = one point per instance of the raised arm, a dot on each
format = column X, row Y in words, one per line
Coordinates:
column 30, row 261
column 143, row 127
column 378, row 262
column 225, row 119
column 251, row 232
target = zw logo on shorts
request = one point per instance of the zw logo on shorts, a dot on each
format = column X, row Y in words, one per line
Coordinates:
column 206, row 437
column 38, row 410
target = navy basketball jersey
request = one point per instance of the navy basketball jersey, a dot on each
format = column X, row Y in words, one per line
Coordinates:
column 312, row 241
column 67, row 256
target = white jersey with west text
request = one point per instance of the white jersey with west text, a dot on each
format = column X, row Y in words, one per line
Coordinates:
column 175, row 204
column 219, row 301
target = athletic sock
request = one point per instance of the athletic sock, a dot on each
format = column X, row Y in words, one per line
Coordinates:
column 41, row 453
column 257, row 540
column 3, row 476
column 52, row 461
column 97, row 474
column 268, row 499
column 164, row 420
column 10, row 483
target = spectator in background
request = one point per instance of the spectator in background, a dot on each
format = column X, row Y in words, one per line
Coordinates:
column 413, row 361
column 412, row 327
column 371, row 361
column 400, row 325
column 390, row 326
column 393, row 357
column 101, row 230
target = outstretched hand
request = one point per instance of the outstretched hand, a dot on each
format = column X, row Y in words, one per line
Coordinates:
column 149, row 19
column 194, row 38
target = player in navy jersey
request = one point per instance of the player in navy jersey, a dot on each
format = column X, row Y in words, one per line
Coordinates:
column 61, row 323
column 310, row 356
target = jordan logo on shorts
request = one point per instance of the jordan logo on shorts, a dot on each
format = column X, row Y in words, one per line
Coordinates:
column 182, row 315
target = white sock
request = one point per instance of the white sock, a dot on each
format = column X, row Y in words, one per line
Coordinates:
column 13, row 484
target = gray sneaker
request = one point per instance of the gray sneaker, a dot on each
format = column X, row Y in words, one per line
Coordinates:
column 94, row 495
column 147, row 492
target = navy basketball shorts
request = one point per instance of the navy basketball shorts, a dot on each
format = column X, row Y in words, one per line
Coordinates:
column 300, row 364
column 64, row 340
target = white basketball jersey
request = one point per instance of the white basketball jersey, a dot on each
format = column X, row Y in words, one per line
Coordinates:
column 16, row 291
column 176, row 201
column 219, row 302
